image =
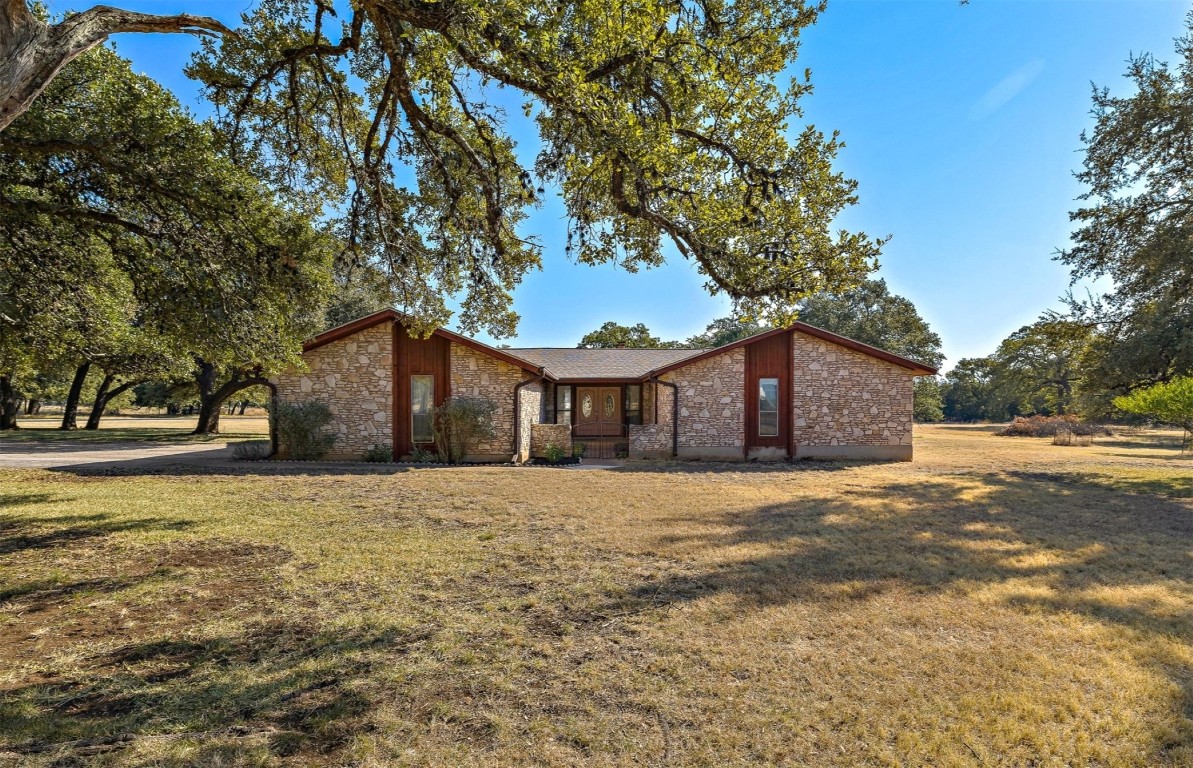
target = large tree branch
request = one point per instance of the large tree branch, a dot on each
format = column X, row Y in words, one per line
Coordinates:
column 32, row 52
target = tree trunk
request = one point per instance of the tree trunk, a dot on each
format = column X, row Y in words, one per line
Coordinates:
column 32, row 52
column 211, row 397
column 209, row 408
column 103, row 396
column 70, row 411
column 32, row 406
column 244, row 404
column 8, row 404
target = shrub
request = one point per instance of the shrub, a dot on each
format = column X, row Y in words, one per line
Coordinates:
column 300, row 430
column 578, row 449
column 251, row 450
column 1049, row 426
column 554, row 453
column 461, row 423
column 380, row 454
column 1169, row 402
column 421, row 455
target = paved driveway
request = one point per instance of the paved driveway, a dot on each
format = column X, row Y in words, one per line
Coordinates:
column 91, row 455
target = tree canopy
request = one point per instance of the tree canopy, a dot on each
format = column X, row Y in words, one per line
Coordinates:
column 657, row 121
column 612, row 335
column 871, row 314
column 1136, row 225
column 129, row 240
column 1170, row 402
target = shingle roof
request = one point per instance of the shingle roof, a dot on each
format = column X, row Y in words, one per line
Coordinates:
column 572, row 363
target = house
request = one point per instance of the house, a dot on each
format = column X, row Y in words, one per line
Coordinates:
column 798, row 391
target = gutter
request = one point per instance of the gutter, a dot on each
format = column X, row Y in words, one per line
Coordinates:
column 674, row 414
column 518, row 413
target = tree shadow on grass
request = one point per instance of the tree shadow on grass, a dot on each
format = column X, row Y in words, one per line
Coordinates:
column 1085, row 549
column 270, row 689
column 46, row 532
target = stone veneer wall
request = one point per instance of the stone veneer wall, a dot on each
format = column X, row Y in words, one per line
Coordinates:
column 849, row 405
column 652, row 440
column 542, row 435
column 475, row 374
column 531, row 405
column 354, row 377
column 712, row 406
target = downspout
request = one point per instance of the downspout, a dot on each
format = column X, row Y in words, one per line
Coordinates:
column 674, row 414
column 518, row 414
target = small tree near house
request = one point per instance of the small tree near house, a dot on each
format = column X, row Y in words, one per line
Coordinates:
column 461, row 423
column 1169, row 402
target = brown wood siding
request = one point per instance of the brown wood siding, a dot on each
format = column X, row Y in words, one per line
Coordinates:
column 415, row 357
column 768, row 358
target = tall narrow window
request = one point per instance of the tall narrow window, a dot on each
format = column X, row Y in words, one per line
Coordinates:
column 422, row 404
column 563, row 404
column 633, row 404
column 768, row 407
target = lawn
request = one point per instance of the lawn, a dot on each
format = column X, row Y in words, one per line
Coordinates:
column 1000, row 601
column 137, row 429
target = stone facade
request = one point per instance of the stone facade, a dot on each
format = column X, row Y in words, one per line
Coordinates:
column 848, row 404
column 354, row 377
column 475, row 374
column 542, row 435
column 712, row 406
column 530, row 401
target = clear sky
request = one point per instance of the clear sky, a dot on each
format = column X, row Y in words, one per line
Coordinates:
column 962, row 126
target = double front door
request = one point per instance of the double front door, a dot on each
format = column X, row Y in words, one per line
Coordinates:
column 598, row 412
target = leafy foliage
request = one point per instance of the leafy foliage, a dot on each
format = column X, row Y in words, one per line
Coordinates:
column 301, row 430
column 152, row 252
column 1137, row 223
column 928, row 399
column 873, row 315
column 461, row 423
column 612, row 335
column 381, row 453
column 724, row 330
column 1170, row 402
column 655, row 119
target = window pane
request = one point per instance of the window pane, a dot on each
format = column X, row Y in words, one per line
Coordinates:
column 422, row 402
column 563, row 417
column 768, row 394
column 768, row 407
column 633, row 397
column 563, row 398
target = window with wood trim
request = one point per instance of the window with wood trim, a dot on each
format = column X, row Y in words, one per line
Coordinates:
column 768, row 407
column 633, row 404
column 563, row 404
column 422, row 409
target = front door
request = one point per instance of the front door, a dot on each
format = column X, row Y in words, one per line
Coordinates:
column 598, row 411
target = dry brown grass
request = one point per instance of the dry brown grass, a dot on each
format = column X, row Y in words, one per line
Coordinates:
column 997, row 602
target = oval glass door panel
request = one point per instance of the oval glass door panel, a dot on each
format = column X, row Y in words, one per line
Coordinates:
column 608, row 406
column 586, row 406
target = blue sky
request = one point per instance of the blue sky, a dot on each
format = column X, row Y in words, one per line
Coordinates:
column 962, row 126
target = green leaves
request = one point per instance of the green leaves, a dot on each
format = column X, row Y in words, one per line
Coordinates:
column 657, row 121
column 127, row 238
column 1136, row 226
column 1170, row 402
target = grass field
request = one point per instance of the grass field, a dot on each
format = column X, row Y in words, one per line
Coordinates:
column 1000, row 601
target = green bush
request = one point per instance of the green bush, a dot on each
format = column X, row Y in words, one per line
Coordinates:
column 300, row 430
column 461, row 423
column 421, row 455
column 554, row 453
column 379, row 454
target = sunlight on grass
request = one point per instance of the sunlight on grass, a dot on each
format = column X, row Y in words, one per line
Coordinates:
column 997, row 602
